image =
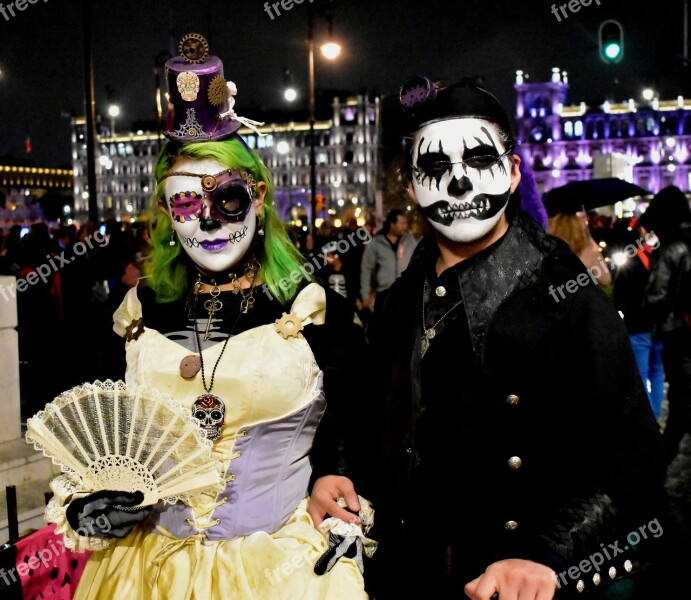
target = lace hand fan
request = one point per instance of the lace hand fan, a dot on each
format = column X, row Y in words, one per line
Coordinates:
column 118, row 437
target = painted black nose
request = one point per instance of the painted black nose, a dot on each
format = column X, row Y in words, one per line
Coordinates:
column 208, row 224
column 459, row 187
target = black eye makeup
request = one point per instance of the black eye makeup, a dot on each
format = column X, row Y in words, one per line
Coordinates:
column 434, row 164
column 229, row 194
column 232, row 201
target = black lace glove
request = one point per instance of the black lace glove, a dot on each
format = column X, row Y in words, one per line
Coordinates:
column 106, row 514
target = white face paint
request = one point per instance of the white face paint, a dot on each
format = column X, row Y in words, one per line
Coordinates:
column 461, row 183
column 212, row 243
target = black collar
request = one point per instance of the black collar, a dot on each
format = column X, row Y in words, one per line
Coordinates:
column 487, row 279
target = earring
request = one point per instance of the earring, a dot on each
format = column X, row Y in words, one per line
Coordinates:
column 172, row 241
column 260, row 227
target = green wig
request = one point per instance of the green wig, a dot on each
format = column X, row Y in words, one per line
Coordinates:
column 168, row 267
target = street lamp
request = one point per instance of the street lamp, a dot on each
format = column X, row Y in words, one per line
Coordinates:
column 330, row 51
column 113, row 112
column 290, row 93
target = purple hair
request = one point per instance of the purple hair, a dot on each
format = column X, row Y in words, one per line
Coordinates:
column 531, row 200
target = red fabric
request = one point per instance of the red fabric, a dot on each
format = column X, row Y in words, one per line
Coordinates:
column 645, row 258
column 46, row 568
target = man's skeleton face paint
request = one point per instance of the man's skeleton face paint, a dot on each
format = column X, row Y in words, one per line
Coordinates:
column 214, row 226
column 461, row 177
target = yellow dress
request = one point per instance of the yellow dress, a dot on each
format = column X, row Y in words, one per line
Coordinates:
column 272, row 391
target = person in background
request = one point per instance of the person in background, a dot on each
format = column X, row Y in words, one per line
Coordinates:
column 669, row 295
column 629, row 294
column 386, row 257
column 352, row 260
column 573, row 229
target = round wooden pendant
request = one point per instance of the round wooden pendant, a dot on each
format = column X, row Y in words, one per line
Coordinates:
column 190, row 366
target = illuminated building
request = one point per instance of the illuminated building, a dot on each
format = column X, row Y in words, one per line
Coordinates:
column 347, row 156
column 651, row 140
column 22, row 187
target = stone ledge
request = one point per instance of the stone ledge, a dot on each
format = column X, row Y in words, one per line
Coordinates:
column 20, row 463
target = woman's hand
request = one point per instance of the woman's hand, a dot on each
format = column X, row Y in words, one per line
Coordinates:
column 325, row 492
column 514, row 579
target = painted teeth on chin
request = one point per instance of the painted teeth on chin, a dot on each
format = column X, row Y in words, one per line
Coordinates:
column 471, row 209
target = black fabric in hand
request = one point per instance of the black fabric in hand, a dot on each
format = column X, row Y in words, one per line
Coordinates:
column 349, row 547
column 105, row 514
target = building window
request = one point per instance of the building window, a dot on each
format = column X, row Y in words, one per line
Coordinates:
column 568, row 129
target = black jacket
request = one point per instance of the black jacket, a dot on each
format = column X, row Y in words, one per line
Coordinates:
column 531, row 405
column 669, row 287
column 629, row 293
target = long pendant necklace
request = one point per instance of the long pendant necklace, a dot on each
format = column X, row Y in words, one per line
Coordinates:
column 428, row 334
column 208, row 408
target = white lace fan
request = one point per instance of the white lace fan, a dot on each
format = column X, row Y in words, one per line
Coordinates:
column 113, row 436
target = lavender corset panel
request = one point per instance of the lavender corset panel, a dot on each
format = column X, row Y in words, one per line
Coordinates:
column 271, row 477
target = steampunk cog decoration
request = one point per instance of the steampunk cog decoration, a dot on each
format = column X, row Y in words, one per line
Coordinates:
column 289, row 325
column 134, row 330
column 218, row 90
column 209, row 183
column 417, row 90
column 193, row 48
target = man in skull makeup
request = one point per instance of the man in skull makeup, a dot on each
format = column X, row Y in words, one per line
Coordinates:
column 533, row 410
column 263, row 366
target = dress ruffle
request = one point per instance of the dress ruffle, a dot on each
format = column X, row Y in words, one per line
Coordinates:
column 280, row 566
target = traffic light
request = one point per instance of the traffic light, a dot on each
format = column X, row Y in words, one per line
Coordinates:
column 611, row 41
column 320, row 202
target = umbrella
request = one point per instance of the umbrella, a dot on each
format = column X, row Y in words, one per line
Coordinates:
column 587, row 195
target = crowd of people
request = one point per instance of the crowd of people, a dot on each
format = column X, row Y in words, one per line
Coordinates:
column 65, row 316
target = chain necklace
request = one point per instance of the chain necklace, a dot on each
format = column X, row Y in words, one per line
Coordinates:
column 429, row 333
column 208, row 408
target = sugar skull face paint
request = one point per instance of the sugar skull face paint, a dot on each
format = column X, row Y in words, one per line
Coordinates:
column 186, row 206
column 461, row 176
column 211, row 209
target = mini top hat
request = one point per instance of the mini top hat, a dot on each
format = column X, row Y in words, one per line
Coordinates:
column 200, row 103
column 424, row 102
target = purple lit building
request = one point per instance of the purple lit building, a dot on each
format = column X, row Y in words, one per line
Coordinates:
column 648, row 143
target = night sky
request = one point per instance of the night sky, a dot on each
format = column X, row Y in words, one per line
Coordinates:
column 384, row 43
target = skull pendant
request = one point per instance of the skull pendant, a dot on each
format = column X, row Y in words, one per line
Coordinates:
column 210, row 411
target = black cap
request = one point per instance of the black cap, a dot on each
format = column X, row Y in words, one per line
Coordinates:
column 425, row 102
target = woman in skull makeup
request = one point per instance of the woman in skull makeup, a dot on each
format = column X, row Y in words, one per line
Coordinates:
column 528, row 406
column 232, row 326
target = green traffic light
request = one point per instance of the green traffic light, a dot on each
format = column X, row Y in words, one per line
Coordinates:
column 612, row 51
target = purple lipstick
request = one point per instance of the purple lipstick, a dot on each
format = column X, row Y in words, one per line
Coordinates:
column 213, row 245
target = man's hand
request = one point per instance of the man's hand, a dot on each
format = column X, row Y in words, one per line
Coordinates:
column 514, row 579
column 368, row 303
column 325, row 492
